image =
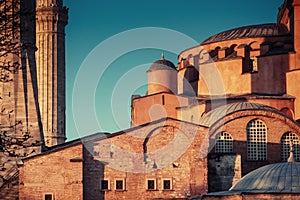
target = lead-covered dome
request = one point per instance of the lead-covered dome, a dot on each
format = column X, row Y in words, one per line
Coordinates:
column 261, row 30
column 211, row 117
column 274, row 178
column 162, row 64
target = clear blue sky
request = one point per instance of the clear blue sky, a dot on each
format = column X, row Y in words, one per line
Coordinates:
column 94, row 21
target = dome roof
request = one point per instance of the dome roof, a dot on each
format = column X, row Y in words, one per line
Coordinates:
column 262, row 30
column 215, row 115
column 162, row 64
column 274, row 178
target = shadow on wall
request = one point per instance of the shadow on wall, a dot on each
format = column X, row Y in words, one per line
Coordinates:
column 93, row 172
column 9, row 190
column 225, row 169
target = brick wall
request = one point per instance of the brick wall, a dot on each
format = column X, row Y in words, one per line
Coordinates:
column 156, row 106
column 224, row 170
column 236, row 123
column 166, row 149
column 130, row 161
column 58, row 173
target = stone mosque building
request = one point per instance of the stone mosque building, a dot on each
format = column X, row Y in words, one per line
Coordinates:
column 221, row 124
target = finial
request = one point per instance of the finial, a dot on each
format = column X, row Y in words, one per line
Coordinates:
column 163, row 56
column 291, row 158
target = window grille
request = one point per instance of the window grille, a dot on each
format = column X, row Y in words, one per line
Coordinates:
column 286, row 140
column 256, row 140
column 224, row 143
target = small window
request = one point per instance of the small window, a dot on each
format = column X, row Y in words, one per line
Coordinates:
column 151, row 184
column 120, row 184
column 104, row 184
column 224, row 143
column 167, row 184
column 48, row 197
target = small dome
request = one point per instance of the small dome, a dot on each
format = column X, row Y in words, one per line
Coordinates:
column 162, row 64
column 274, row 178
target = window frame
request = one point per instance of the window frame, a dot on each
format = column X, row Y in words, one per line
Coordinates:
column 108, row 184
column 48, row 193
column 163, row 184
column 123, row 184
column 257, row 148
column 155, row 184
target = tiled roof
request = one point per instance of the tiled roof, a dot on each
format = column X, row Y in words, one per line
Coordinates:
column 262, row 30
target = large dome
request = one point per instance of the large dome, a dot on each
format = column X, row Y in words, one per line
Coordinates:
column 262, row 30
column 274, row 178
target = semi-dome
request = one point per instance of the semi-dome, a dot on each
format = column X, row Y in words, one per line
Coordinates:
column 162, row 64
column 218, row 113
column 262, row 30
column 274, row 178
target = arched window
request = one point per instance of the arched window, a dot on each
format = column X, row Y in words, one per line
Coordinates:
column 256, row 140
column 286, row 140
column 224, row 143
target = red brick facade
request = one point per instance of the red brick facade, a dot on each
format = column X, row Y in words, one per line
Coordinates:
column 57, row 173
column 75, row 172
column 277, row 125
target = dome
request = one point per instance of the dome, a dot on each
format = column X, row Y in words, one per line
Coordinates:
column 274, row 178
column 218, row 113
column 262, row 30
column 162, row 64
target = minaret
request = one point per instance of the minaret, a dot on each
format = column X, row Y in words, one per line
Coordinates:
column 20, row 121
column 51, row 19
column 19, row 96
